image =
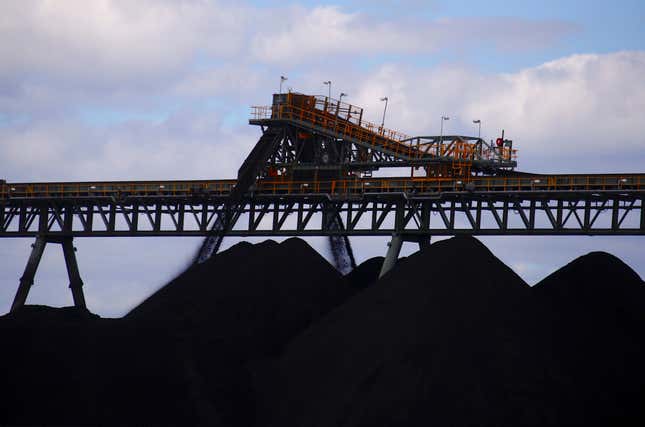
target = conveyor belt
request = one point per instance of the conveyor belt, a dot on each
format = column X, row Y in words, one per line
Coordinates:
column 337, row 120
column 528, row 182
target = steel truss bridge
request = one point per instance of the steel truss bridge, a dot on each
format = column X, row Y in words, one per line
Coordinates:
column 529, row 205
column 310, row 174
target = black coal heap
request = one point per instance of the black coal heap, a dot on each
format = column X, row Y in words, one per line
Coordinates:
column 595, row 313
column 251, row 299
column 441, row 339
column 271, row 334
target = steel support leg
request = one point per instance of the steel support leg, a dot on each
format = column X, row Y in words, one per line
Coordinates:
column 424, row 242
column 394, row 248
column 27, row 279
column 75, row 282
column 341, row 247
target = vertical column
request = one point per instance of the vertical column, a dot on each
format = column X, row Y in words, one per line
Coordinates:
column 43, row 219
column 89, row 225
column 68, row 219
column 204, row 224
column 452, row 215
column 424, row 242
column 614, row 214
column 587, row 215
column 157, row 225
column 75, row 282
column 394, row 248
column 532, row 215
column 181, row 213
column 135, row 217
column 112, row 218
column 27, row 279
column 560, row 214
column 2, row 215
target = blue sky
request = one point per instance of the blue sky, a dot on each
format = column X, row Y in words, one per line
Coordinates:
column 160, row 89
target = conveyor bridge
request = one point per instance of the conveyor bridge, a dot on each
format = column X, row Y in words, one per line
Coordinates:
column 310, row 174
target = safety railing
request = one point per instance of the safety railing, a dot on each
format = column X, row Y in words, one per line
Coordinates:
column 279, row 186
column 432, row 185
column 100, row 189
column 326, row 116
column 365, row 132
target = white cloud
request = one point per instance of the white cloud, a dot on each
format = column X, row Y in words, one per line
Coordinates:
column 112, row 36
column 188, row 145
column 313, row 34
column 62, row 57
column 582, row 112
column 226, row 79
column 191, row 68
column 104, row 41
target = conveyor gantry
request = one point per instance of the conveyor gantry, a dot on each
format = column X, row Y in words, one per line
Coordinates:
column 310, row 175
column 322, row 133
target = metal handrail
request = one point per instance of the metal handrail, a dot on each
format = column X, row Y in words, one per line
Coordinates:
column 357, row 185
column 367, row 132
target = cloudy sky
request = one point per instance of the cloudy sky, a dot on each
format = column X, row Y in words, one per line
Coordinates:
column 156, row 89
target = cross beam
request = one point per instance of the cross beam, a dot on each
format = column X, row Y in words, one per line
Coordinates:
column 493, row 213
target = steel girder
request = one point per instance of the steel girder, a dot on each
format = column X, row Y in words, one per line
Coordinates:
column 509, row 213
column 352, row 154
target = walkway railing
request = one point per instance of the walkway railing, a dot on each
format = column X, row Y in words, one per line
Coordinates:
column 279, row 186
column 346, row 121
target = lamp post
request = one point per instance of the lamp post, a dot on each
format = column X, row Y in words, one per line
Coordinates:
column 479, row 128
column 384, row 110
column 340, row 99
column 443, row 118
column 328, row 83
column 282, row 80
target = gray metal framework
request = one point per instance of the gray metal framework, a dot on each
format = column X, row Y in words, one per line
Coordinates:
column 27, row 279
column 448, row 213
column 328, row 140
column 310, row 175
column 404, row 216
column 331, row 150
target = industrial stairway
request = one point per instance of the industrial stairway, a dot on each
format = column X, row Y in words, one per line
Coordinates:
column 336, row 120
column 256, row 161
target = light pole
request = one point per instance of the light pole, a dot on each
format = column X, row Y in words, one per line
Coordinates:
column 443, row 118
column 479, row 128
column 282, row 80
column 340, row 99
column 384, row 110
column 328, row 83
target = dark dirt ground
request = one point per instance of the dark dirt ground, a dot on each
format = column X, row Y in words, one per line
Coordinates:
column 272, row 334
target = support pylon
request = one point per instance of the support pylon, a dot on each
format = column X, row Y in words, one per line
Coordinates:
column 75, row 282
column 27, row 279
column 424, row 242
column 393, row 250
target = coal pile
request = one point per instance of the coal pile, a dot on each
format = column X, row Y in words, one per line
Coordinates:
column 64, row 366
column 182, row 357
column 449, row 345
column 272, row 335
column 596, row 306
column 238, row 310
column 365, row 273
column 251, row 299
